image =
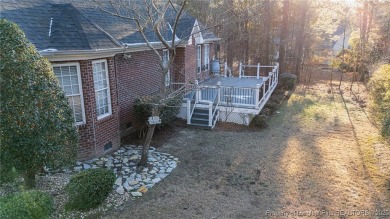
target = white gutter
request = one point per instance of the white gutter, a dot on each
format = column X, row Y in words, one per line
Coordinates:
column 55, row 55
column 209, row 40
column 73, row 55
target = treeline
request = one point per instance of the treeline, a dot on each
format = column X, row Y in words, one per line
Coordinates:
column 295, row 33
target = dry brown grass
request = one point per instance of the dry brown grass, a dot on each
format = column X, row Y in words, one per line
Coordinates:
column 320, row 154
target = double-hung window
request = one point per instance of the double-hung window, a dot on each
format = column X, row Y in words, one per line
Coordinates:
column 102, row 88
column 68, row 75
column 206, row 57
column 165, row 59
column 199, row 59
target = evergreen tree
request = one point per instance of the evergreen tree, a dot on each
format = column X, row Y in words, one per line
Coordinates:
column 36, row 124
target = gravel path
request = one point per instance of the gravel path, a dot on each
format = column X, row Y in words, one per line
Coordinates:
column 319, row 158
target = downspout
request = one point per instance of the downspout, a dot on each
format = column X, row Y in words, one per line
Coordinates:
column 93, row 120
column 117, row 93
column 94, row 131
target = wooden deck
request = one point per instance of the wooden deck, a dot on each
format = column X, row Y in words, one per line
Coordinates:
column 242, row 95
column 233, row 82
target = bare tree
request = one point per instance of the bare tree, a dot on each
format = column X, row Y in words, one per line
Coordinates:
column 283, row 37
column 152, row 15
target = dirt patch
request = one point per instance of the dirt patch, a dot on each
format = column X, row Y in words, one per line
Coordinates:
column 161, row 134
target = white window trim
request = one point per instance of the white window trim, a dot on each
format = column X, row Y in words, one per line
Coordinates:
column 206, row 58
column 199, row 59
column 80, row 87
column 108, row 90
column 168, row 75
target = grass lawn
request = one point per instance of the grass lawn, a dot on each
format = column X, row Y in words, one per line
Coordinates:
column 320, row 155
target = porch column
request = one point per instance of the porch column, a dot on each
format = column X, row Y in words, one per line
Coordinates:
column 258, row 71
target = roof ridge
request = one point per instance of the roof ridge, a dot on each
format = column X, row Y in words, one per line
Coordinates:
column 99, row 28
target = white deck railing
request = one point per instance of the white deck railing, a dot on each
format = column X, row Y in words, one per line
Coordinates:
column 213, row 96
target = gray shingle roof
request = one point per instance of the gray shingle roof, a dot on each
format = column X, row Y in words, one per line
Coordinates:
column 80, row 25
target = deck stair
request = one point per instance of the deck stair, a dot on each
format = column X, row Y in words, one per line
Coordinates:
column 200, row 118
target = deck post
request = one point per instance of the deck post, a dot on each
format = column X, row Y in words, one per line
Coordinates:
column 188, row 112
column 197, row 92
column 269, row 80
column 210, row 113
column 239, row 70
column 225, row 69
column 258, row 71
column 258, row 86
column 219, row 91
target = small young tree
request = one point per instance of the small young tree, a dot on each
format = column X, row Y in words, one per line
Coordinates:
column 36, row 123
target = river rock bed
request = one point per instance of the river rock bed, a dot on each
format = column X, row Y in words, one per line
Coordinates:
column 124, row 164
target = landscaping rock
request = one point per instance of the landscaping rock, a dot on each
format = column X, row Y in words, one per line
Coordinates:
column 118, row 181
column 156, row 180
column 132, row 183
column 136, row 194
column 120, row 190
column 142, row 189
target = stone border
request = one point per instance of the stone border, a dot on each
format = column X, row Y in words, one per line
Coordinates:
column 124, row 164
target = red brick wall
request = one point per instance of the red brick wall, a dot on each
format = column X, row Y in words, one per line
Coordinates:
column 190, row 64
column 129, row 78
column 94, row 134
column 178, row 67
column 137, row 76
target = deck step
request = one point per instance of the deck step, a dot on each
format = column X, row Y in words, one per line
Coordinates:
column 201, row 110
column 200, row 126
column 200, row 116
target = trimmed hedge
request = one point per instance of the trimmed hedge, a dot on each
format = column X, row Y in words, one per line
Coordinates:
column 31, row 204
column 88, row 189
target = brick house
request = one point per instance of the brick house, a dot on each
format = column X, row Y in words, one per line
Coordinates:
column 103, row 64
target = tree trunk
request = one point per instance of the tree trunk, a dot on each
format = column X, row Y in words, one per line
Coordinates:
column 267, row 31
column 29, row 179
column 341, row 80
column 145, row 149
column 283, row 37
column 301, row 39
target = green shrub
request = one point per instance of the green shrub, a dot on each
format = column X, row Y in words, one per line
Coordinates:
column 272, row 106
column 88, row 189
column 287, row 81
column 259, row 121
column 29, row 205
column 379, row 87
column 8, row 174
column 167, row 114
